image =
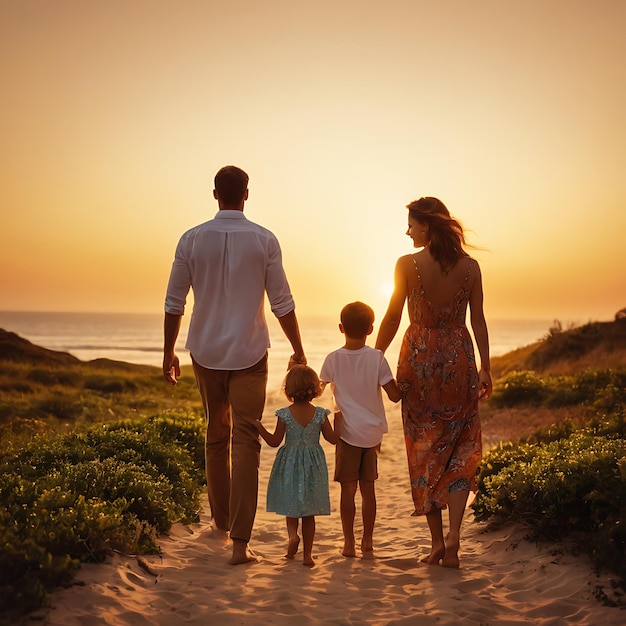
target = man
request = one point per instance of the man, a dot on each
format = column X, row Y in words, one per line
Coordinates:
column 230, row 263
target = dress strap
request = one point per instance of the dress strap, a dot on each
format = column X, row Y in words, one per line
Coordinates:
column 419, row 276
column 469, row 271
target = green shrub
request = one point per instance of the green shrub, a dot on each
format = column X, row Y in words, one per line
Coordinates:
column 27, row 570
column 519, row 388
column 109, row 384
column 602, row 389
column 563, row 485
column 75, row 497
column 61, row 405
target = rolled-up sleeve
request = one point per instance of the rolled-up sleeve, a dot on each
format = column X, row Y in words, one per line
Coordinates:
column 179, row 282
column 276, row 285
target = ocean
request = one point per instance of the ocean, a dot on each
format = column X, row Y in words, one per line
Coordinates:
column 138, row 338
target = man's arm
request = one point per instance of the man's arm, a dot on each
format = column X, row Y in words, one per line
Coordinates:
column 171, row 364
column 289, row 324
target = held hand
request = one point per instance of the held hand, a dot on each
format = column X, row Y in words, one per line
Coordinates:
column 296, row 359
column 171, row 369
column 338, row 423
column 485, row 386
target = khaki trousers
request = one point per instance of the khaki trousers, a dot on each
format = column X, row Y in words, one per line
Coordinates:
column 233, row 400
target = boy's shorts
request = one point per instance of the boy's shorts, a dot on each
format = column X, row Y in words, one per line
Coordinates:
column 353, row 463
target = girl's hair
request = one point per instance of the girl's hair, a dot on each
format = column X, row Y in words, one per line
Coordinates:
column 302, row 384
column 446, row 234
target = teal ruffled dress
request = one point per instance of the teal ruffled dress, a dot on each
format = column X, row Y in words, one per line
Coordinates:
column 298, row 483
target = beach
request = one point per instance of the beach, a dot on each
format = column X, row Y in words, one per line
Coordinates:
column 503, row 579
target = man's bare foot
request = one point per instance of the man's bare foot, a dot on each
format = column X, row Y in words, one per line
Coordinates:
column 308, row 561
column 292, row 547
column 241, row 554
column 348, row 549
column 436, row 554
column 215, row 534
column 451, row 556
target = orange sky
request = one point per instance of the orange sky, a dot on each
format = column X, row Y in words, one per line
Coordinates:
column 116, row 115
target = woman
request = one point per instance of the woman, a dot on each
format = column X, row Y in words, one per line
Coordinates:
column 437, row 371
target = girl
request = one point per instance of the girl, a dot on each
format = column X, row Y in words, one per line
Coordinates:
column 298, row 484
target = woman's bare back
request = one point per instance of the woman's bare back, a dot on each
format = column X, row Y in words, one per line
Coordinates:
column 422, row 272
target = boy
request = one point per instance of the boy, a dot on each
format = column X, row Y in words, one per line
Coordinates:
column 356, row 373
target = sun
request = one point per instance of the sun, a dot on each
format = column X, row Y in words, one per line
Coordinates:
column 386, row 289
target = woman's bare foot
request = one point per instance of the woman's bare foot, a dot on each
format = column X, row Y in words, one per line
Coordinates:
column 451, row 556
column 308, row 561
column 241, row 554
column 436, row 554
column 292, row 547
column 348, row 549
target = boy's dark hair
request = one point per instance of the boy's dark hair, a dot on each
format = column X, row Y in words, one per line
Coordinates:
column 356, row 319
column 230, row 184
column 302, row 384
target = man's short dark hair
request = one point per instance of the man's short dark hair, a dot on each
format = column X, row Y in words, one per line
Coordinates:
column 230, row 184
column 356, row 319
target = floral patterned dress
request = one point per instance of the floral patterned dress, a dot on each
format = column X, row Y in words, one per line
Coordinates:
column 437, row 372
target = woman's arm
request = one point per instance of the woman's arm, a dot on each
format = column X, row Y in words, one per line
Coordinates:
column 329, row 434
column 481, row 335
column 272, row 439
column 391, row 322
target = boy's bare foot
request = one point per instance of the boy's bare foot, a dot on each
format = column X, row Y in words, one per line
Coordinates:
column 367, row 545
column 308, row 562
column 241, row 554
column 436, row 554
column 292, row 547
column 348, row 549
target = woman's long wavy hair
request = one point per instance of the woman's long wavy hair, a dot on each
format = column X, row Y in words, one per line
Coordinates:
column 446, row 234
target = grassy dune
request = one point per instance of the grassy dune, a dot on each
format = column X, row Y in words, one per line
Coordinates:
column 94, row 456
column 563, row 358
column 556, row 432
column 43, row 390
column 103, row 455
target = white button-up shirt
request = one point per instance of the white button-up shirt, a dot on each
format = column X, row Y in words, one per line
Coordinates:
column 230, row 263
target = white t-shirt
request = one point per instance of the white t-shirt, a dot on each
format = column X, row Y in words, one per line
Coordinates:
column 230, row 263
column 356, row 377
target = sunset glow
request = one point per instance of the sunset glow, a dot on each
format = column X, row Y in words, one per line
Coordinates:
column 116, row 116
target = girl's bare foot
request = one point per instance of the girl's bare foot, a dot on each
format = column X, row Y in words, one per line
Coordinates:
column 436, row 554
column 292, row 547
column 367, row 545
column 308, row 561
